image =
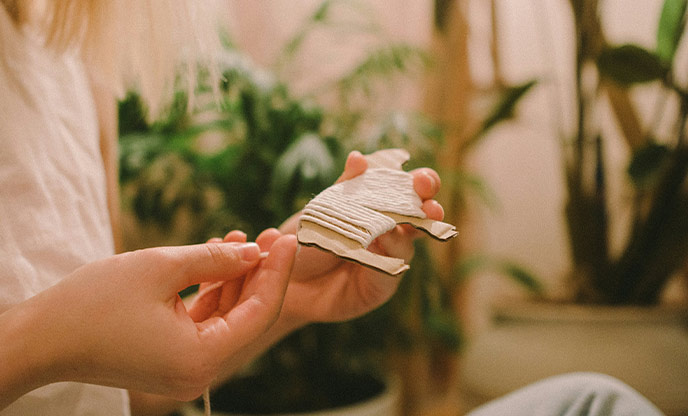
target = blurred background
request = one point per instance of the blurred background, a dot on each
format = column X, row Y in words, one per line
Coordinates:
column 558, row 130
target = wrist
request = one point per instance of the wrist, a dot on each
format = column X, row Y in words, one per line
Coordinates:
column 28, row 359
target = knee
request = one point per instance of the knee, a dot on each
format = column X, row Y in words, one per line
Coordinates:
column 579, row 394
column 598, row 394
column 589, row 381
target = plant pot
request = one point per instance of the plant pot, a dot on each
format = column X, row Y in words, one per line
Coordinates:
column 345, row 394
column 647, row 348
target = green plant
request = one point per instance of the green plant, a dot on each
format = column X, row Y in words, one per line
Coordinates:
column 268, row 157
column 657, row 243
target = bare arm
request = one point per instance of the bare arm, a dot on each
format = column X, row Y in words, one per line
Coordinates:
column 27, row 358
column 95, row 325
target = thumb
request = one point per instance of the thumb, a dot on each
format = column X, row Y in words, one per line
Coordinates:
column 211, row 262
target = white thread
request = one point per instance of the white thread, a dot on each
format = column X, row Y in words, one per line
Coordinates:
column 358, row 215
column 206, row 401
column 355, row 208
column 331, row 221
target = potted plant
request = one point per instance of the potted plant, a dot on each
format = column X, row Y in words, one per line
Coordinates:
column 624, row 333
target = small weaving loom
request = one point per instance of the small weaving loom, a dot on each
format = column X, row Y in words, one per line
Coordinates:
column 346, row 217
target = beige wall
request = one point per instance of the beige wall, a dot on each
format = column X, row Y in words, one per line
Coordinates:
column 521, row 160
column 261, row 28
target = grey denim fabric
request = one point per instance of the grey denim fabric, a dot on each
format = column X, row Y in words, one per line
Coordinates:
column 575, row 394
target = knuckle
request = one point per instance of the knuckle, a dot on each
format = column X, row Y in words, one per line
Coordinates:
column 161, row 257
column 222, row 255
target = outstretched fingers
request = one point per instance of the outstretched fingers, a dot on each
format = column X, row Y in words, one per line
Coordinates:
column 433, row 210
column 426, row 182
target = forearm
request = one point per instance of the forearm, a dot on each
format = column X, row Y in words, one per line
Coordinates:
column 26, row 352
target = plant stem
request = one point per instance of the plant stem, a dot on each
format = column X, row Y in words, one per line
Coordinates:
column 657, row 246
column 586, row 212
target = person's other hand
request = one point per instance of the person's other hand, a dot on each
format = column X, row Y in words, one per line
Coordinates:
column 326, row 288
column 120, row 322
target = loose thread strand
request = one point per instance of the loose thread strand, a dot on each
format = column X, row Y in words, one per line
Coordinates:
column 206, row 401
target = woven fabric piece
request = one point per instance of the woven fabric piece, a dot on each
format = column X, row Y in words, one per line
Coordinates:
column 355, row 208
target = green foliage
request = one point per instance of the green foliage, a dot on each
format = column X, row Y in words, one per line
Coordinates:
column 671, row 24
column 380, row 63
column 269, row 160
column 471, row 185
column 631, row 64
column 656, row 247
column 501, row 111
column 505, row 106
column 646, row 164
column 324, row 17
column 307, row 163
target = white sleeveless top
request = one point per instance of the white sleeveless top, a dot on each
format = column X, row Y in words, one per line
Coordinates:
column 53, row 212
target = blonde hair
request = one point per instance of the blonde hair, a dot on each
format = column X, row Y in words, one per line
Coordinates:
column 127, row 44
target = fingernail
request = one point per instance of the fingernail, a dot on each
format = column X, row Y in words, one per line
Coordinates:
column 249, row 251
column 431, row 180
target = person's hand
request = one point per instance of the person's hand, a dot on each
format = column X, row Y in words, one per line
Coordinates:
column 120, row 322
column 326, row 288
column 219, row 298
